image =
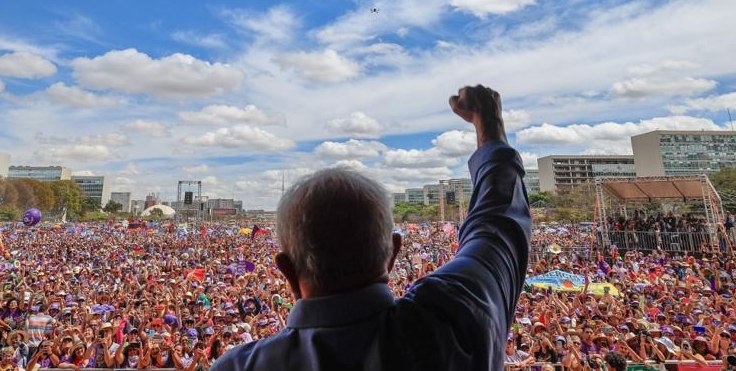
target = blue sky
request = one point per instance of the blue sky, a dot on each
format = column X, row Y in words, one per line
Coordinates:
column 241, row 93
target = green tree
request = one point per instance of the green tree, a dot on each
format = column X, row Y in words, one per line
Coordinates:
column 26, row 198
column 95, row 216
column 90, row 204
column 156, row 214
column 8, row 193
column 45, row 198
column 724, row 182
column 540, row 199
column 68, row 195
column 9, row 213
column 113, row 207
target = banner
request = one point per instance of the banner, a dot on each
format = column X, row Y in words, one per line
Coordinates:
column 696, row 367
column 244, row 266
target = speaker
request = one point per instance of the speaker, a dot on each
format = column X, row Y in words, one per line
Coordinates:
column 188, row 198
column 451, row 197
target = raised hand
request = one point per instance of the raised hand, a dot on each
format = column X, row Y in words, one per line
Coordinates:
column 480, row 106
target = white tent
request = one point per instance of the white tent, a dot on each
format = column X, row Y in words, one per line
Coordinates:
column 167, row 211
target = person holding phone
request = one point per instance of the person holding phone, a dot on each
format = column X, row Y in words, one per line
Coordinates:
column 44, row 357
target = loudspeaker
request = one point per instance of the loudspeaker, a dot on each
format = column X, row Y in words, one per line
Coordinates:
column 451, row 197
column 188, row 198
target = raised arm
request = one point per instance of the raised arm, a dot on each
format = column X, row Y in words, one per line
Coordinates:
column 496, row 232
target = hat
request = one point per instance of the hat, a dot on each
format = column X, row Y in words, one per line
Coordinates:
column 209, row 331
column 192, row 333
column 16, row 333
column 555, row 249
column 565, row 320
column 132, row 330
column 157, row 322
column 78, row 345
column 54, row 306
column 623, row 327
column 561, row 338
column 106, row 326
column 671, row 347
column 525, row 321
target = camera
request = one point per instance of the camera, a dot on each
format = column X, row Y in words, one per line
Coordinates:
column 731, row 360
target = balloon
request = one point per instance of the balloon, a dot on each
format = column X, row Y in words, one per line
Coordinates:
column 31, row 217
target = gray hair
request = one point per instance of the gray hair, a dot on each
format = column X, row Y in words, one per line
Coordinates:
column 336, row 224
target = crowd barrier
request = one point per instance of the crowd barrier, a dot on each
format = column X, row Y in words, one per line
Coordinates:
column 666, row 366
column 675, row 242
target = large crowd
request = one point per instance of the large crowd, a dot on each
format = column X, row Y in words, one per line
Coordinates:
column 106, row 296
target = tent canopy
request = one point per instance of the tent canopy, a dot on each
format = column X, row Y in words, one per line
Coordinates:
column 656, row 188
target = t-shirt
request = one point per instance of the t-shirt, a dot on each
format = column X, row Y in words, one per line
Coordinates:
column 39, row 325
column 519, row 356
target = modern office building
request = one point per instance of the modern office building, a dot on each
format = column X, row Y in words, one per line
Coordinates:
column 94, row 187
column 40, row 173
column 560, row 171
column 122, row 198
column 4, row 164
column 431, row 194
column 398, row 197
column 531, row 180
column 668, row 152
column 415, row 196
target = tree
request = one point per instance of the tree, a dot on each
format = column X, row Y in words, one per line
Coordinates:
column 68, row 195
column 540, row 199
column 113, row 207
column 8, row 194
column 724, row 182
column 156, row 214
column 90, row 204
column 26, row 198
column 8, row 213
column 45, row 198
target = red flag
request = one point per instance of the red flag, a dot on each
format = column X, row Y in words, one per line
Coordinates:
column 195, row 274
column 203, row 231
column 257, row 231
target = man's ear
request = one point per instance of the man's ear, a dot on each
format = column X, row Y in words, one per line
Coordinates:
column 396, row 243
column 286, row 266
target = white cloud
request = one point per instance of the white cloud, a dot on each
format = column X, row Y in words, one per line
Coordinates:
column 212, row 41
column 609, row 137
column 529, row 159
column 130, row 169
column 231, row 115
column 351, row 164
column 456, row 143
column 242, row 136
column 642, row 87
column 416, row 158
column 174, row 76
column 196, row 169
column 108, row 139
column 124, row 181
column 352, row 149
column 2, row 87
column 417, row 176
column 327, row 66
column 25, row 65
column 482, row 8
column 152, row 128
column 78, row 153
column 394, row 16
column 276, row 24
column 74, row 96
column 358, row 125
column 662, row 67
column 711, row 103
column 514, row 120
